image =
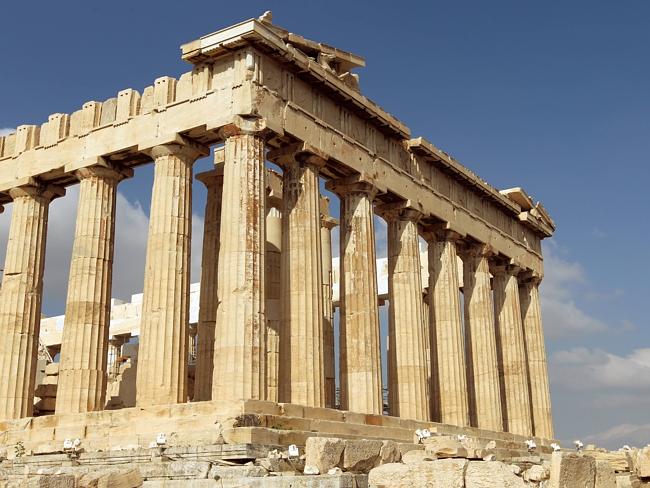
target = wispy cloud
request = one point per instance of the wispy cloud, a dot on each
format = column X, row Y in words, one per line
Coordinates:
column 6, row 131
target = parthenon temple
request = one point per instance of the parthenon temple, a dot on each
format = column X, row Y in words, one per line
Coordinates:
column 285, row 123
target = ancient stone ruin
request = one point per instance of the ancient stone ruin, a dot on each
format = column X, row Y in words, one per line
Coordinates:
column 244, row 393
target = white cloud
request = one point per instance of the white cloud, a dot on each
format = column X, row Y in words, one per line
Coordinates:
column 562, row 315
column 130, row 248
column 5, row 131
column 582, row 369
column 619, row 435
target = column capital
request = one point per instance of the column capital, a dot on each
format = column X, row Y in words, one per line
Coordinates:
column 182, row 148
column 403, row 210
column 212, row 178
column 37, row 190
column 107, row 172
column 528, row 276
column 298, row 153
column 362, row 183
column 246, row 125
column 328, row 222
column 505, row 268
column 440, row 233
column 475, row 250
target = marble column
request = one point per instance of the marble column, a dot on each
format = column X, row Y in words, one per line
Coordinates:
column 407, row 394
column 448, row 393
column 327, row 224
column 163, row 349
column 21, row 296
column 213, row 181
column 240, row 334
column 511, row 350
column 360, row 358
column 480, row 340
column 537, row 366
column 273, row 298
column 302, row 378
column 84, row 344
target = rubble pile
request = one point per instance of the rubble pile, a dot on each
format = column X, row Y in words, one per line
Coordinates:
column 437, row 461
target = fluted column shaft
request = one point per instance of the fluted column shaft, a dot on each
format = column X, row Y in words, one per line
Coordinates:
column 511, row 351
column 537, row 362
column 84, row 344
column 327, row 224
column 213, row 181
column 20, row 299
column 240, row 335
column 449, row 380
column 302, row 378
column 360, row 359
column 480, row 341
column 273, row 301
column 163, row 349
column 407, row 394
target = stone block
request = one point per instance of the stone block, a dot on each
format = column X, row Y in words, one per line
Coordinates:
column 537, row 473
column 113, row 478
column 182, row 469
column 360, row 456
column 52, row 369
column 389, row 452
column 642, row 463
column 605, row 475
column 481, row 474
column 444, row 447
column 323, row 453
column 417, row 456
column 572, row 470
column 53, row 481
column 443, row 473
column 45, row 391
column 236, row 472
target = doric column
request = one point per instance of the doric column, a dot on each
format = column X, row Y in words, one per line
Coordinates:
column 449, row 378
column 537, row 366
column 213, row 181
column 511, row 351
column 162, row 354
column 480, row 340
column 407, row 394
column 327, row 224
column 20, row 298
column 360, row 358
column 114, row 352
column 273, row 296
column 84, row 345
column 240, row 337
column 302, row 378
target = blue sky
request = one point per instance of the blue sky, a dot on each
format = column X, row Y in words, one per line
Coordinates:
column 550, row 96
